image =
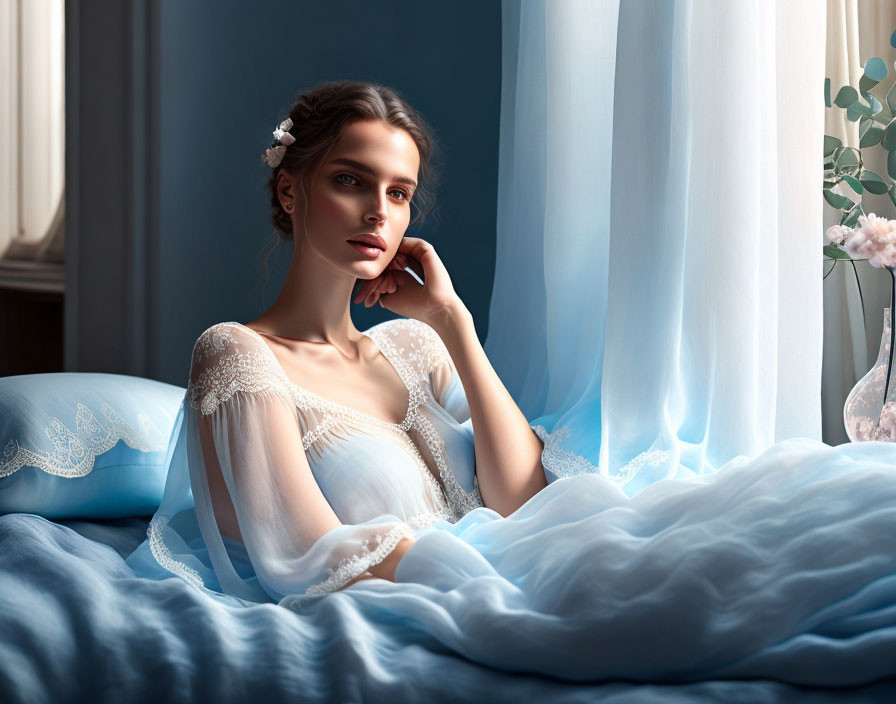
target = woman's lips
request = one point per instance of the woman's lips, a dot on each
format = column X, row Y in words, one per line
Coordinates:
column 366, row 249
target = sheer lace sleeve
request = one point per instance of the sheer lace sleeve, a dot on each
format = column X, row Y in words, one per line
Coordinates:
column 446, row 384
column 444, row 379
column 249, row 435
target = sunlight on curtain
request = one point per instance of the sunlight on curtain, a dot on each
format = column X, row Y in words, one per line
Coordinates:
column 657, row 300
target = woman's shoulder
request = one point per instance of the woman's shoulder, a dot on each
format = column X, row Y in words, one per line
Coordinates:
column 224, row 338
column 229, row 357
column 414, row 340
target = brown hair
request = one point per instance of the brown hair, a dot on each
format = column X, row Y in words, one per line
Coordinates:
column 319, row 116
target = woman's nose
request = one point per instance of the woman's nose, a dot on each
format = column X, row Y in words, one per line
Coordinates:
column 378, row 206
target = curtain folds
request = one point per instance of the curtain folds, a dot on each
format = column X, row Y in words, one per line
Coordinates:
column 658, row 264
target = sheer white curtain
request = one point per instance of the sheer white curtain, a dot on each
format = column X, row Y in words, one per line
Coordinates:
column 658, row 289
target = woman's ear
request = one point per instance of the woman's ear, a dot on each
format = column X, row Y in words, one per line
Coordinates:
column 286, row 188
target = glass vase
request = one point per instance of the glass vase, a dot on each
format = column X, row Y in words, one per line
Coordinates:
column 869, row 413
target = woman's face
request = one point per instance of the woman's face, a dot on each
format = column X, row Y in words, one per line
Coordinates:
column 371, row 195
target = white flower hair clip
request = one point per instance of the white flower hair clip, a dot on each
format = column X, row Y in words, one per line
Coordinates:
column 274, row 155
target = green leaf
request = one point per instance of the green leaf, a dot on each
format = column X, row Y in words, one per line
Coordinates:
column 866, row 83
column 891, row 164
column 863, row 124
column 892, row 193
column 835, row 170
column 873, row 183
column 834, row 252
column 853, row 184
column 888, row 141
column 830, row 144
column 876, row 107
column 852, row 113
column 893, row 40
column 871, row 136
column 851, row 217
column 849, row 158
column 838, row 201
column 827, row 92
column 846, row 97
column 876, row 69
column 861, row 108
column 891, row 99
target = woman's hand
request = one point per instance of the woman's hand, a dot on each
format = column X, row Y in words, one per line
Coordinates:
column 398, row 291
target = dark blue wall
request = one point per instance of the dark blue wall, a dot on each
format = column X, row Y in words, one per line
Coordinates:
column 228, row 74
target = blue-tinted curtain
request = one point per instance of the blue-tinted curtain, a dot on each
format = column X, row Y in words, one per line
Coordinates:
column 658, row 291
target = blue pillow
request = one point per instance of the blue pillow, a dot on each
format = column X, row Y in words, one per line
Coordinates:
column 84, row 445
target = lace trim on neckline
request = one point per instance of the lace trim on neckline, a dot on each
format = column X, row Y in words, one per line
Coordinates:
column 460, row 501
column 258, row 370
column 309, row 399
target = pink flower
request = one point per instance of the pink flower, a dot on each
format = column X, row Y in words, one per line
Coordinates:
column 885, row 257
column 274, row 155
column 837, row 233
column 879, row 228
column 858, row 246
column 282, row 135
column 874, row 239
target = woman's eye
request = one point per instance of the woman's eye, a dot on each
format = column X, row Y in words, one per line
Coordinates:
column 403, row 194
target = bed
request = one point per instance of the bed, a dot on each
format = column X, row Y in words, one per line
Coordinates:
column 79, row 625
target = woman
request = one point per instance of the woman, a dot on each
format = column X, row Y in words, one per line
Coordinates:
column 310, row 459
column 341, row 191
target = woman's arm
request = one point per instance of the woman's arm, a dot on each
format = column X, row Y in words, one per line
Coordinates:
column 386, row 568
column 508, row 452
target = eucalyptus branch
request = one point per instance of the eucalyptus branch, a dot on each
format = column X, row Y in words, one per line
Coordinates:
column 877, row 126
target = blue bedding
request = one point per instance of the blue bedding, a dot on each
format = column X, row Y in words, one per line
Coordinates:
column 78, row 625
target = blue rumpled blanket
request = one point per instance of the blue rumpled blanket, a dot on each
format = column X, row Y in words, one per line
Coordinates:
column 775, row 578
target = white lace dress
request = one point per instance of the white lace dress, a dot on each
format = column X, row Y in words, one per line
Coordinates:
column 320, row 491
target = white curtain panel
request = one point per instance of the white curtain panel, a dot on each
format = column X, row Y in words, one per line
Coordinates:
column 657, row 301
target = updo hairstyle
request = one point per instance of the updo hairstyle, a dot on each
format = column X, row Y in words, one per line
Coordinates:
column 318, row 118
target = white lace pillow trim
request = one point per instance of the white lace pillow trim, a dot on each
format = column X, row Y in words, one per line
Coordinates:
column 75, row 451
